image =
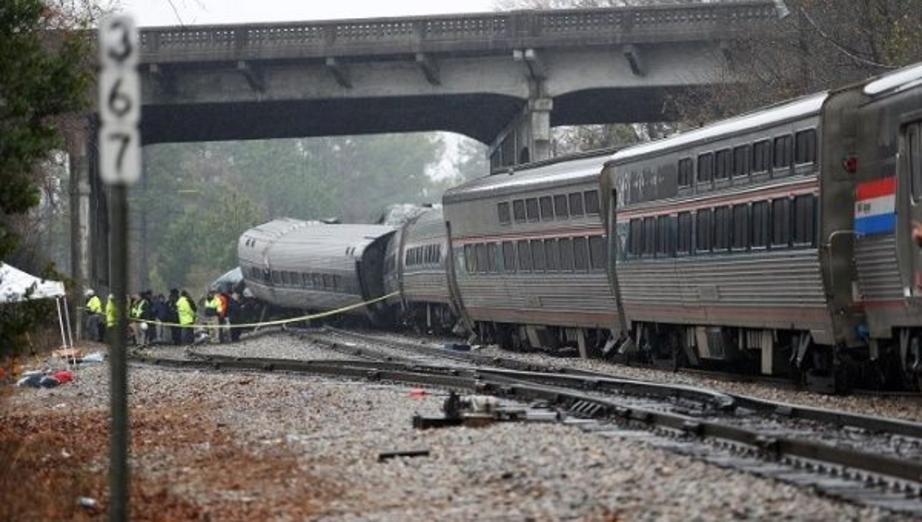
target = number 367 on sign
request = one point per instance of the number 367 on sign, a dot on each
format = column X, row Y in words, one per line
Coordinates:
column 119, row 101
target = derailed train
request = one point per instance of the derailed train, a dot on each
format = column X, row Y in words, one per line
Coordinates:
column 780, row 239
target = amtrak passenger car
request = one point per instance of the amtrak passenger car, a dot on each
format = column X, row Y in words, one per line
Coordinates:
column 781, row 237
column 529, row 255
column 313, row 266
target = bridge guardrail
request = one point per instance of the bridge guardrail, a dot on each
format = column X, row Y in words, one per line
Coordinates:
column 482, row 31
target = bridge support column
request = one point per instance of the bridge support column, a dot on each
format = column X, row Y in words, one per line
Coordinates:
column 77, row 142
column 527, row 138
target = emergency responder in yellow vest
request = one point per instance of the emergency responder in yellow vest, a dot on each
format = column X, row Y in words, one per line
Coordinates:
column 213, row 313
column 95, row 326
column 110, row 316
column 186, row 310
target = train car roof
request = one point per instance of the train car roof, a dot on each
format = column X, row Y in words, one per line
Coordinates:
column 566, row 170
column 773, row 115
column 312, row 239
column 896, row 81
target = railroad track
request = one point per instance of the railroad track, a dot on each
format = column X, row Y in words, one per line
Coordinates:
column 863, row 459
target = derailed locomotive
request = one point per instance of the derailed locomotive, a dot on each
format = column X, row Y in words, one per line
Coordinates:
column 776, row 240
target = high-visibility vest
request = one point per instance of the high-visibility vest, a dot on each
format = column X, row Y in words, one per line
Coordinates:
column 184, row 309
column 94, row 305
column 110, row 313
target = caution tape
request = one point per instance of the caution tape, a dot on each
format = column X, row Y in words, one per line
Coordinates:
column 278, row 322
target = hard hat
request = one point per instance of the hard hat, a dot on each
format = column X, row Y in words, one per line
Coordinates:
column 144, row 327
column 89, row 292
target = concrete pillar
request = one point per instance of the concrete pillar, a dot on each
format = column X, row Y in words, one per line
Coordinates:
column 77, row 140
column 525, row 139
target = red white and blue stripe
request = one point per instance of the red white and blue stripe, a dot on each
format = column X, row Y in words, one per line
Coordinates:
column 875, row 206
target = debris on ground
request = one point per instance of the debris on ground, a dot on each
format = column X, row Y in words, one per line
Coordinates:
column 88, row 503
column 39, row 379
column 95, row 357
column 68, row 353
column 387, row 455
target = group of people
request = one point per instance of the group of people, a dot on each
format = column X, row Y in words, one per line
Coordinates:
column 167, row 320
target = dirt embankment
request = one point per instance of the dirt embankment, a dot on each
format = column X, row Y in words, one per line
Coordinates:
column 185, row 467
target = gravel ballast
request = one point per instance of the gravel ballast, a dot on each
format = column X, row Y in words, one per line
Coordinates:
column 242, row 446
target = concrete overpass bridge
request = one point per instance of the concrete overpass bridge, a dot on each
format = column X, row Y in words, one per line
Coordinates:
column 503, row 78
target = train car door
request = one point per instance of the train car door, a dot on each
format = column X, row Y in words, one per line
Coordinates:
column 909, row 208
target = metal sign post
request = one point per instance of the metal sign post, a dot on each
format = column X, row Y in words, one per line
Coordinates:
column 120, row 166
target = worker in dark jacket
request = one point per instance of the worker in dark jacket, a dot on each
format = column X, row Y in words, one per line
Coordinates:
column 233, row 316
column 161, row 313
column 173, row 313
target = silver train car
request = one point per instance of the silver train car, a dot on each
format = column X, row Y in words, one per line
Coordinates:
column 416, row 269
column 530, row 264
column 313, row 266
column 777, row 237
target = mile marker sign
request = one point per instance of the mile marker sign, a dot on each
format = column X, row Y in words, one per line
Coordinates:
column 119, row 101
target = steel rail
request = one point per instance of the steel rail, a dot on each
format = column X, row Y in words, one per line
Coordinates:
column 562, row 375
column 772, row 446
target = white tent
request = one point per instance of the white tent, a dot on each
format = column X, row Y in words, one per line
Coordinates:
column 17, row 286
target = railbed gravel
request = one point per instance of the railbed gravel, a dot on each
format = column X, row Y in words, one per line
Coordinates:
column 334, row 430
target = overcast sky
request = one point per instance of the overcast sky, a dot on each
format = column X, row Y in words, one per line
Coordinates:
column 190, row 12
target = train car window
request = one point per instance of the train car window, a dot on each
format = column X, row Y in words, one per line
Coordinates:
column 665, row 241
column 337, row 283
column 597, row 253
column 565, row 248
column 740, row 239
column 531, row 209
column 580, row 253
column 518, row 210
column 685, row 172
column 483, row 264
column 724, row 164
column 782, row 152
column 781, row 222
column 285, row 279
column 805, row 146
column 592, row 201
column 741, row 161
column 684, row 233
column 805, row 220
column 491, row 258
column 553, row 256
column 524, row 256
column 576, row 204
column 327, row 282
column 502, row 209
column 438, row 254
column 539, row 260
column 469, row 262
column 407, row 261
column 721, row 228
column 508, row 256
column 914, row 158
column 703, row 230
column 760, row 224
column 761, row 156
column 306, row 280
column 649, row 236
column 547, row 208
column 705, row 167
column 635, row 238
column 560, row 206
